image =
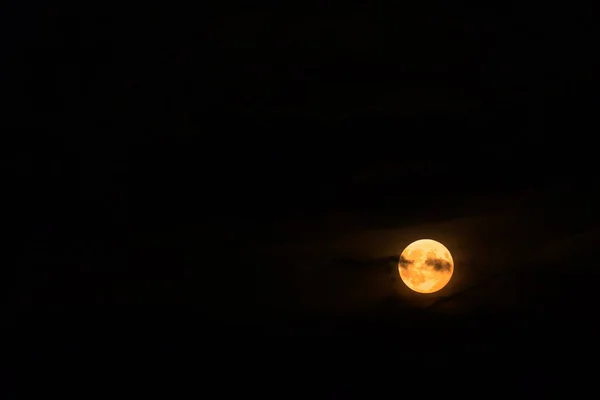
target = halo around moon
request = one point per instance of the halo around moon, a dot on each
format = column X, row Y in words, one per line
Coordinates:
column 426, row 266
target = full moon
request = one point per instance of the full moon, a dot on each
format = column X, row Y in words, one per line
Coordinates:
column 426, row 266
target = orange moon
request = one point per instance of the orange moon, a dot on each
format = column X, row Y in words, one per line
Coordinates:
column 426, row 266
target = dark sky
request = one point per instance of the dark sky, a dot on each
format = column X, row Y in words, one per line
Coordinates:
column 253, row 162
column 268, row 113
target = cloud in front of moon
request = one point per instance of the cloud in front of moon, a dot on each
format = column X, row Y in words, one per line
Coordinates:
column 404, row 263
column 439, row 264
column 426, row 266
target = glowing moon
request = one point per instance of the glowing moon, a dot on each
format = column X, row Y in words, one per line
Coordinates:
column 426, row 266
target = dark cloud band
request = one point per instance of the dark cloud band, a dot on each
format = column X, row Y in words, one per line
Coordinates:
column 438, row 264
column 404, row 263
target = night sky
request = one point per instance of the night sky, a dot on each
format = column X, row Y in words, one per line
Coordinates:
column 251, row 174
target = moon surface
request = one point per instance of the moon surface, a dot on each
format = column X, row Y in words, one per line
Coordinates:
column 426, row 266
